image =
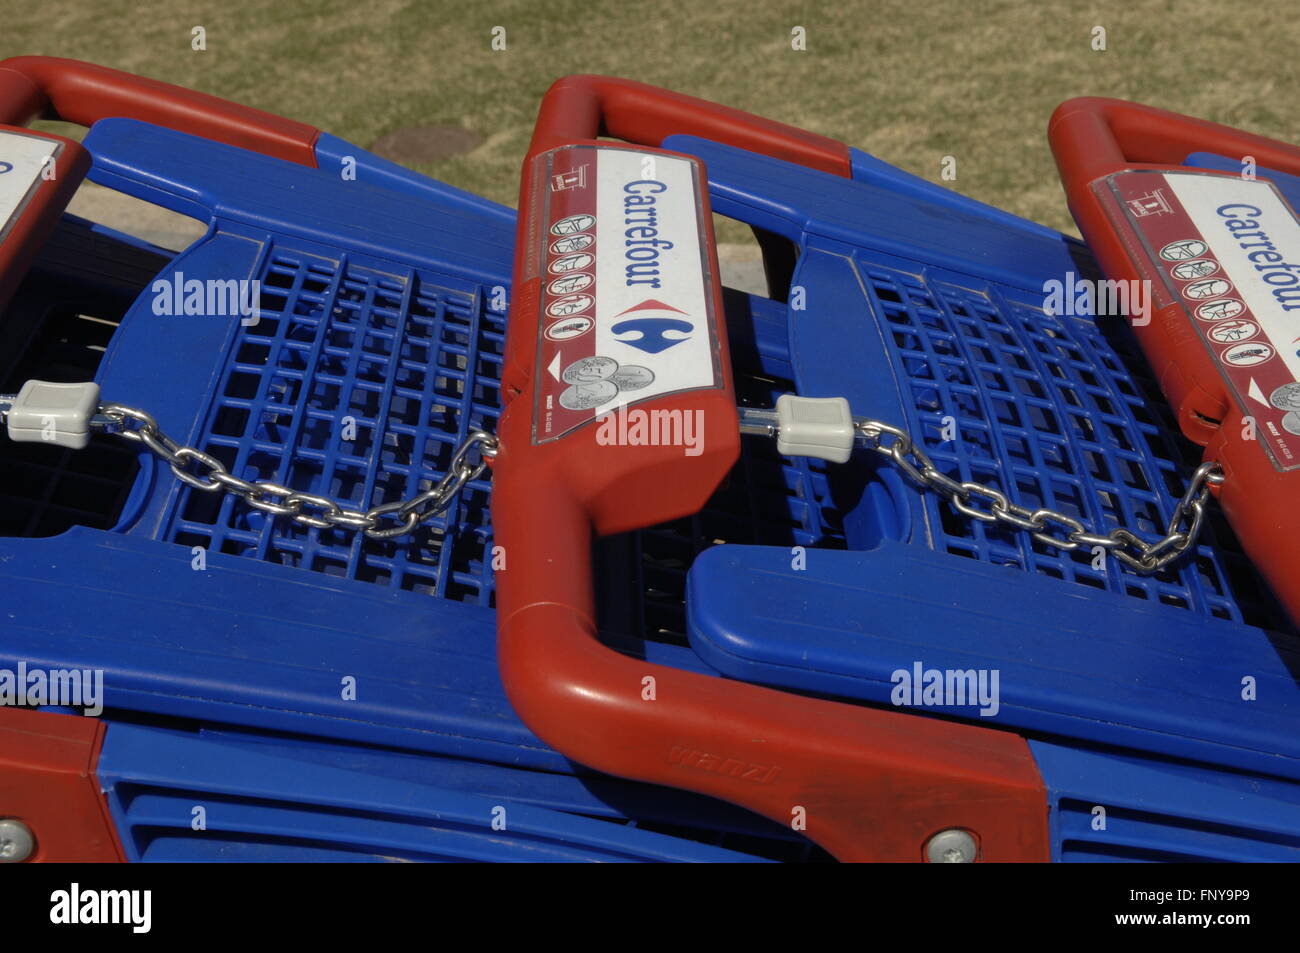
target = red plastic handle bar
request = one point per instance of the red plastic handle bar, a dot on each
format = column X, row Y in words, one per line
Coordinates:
column 583, row 107
column 32, row 86
column 1094, row 138
column 868, row 784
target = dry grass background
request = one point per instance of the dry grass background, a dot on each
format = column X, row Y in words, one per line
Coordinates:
column 908, row 81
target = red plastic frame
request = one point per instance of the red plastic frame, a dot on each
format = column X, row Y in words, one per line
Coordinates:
column 47, row 780
column 1092, row 138
column 871, row 784
column 32, row 87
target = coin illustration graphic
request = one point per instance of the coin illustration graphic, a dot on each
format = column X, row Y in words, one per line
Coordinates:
column 633, row 377
column 589, row 369
column 1286, row 397
column 588, row 395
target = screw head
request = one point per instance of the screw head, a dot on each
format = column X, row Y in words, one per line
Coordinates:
column 16, row 841
column 953, row 846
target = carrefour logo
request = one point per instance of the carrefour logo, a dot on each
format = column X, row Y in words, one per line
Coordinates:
column 653, row 329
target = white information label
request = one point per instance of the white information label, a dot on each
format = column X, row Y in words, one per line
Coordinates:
column 652, row 315
column 22, row 160
column 1256, row 240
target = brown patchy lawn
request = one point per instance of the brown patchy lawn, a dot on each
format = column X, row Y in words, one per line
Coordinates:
column 909, row 81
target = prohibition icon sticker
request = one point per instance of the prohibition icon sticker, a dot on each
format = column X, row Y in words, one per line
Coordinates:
column 1230, row 332
column 1248, row 354
column 569, row 329
column 1184, row 250
column 1198, row 268
column 566, row 246
column 570, row 284
column 1211, row 288
column 573, row 224
column 571, row 304
column 576, row 263
column 1218, row 310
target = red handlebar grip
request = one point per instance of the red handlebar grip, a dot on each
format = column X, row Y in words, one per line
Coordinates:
column 1092, row 136
column 85, row 93
column 871, row 785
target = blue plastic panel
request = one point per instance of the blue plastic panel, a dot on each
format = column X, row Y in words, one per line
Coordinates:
column 339, row 157
column 1079, row 664
column 1115, row 808
column 920, row 312
column 872, row 171
column 260, row 804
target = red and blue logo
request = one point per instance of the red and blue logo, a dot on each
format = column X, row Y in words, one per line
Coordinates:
column 650, row 330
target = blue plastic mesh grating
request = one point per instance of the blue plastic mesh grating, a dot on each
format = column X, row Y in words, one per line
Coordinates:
column 1057, row 414
column 356, row 385
column 1048, row 408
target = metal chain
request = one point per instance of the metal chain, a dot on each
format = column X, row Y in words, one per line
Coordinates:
column 204, row 472
column 974, row 500
column 1050, row 527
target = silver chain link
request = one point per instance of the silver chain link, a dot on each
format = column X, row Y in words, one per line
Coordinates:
column 977, row 501
column 204, row 472
column 1050, row 527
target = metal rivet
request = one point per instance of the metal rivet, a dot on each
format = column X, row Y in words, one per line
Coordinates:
column 16, row 841
column 952, row 846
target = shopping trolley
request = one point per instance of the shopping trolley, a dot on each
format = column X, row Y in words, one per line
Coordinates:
column 1139, row 716
column 274, row 691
